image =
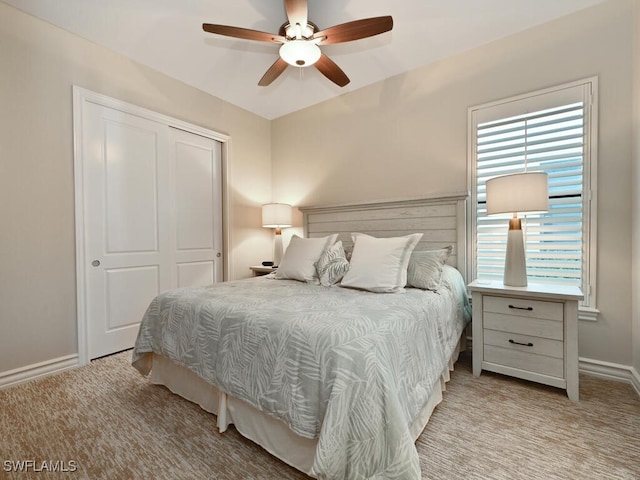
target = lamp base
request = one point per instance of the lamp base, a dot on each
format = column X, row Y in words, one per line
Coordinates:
column 515, row 268
column 277, row 249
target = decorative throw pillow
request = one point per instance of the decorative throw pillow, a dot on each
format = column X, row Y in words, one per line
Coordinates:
column 425, row 268
column 332, row 265
column 380, row 264
column 348, row 250
column 300, row 257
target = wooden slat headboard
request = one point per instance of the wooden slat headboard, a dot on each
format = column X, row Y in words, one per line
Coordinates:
column 441, row 220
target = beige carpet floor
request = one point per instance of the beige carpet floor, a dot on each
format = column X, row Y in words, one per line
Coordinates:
column 107, row 422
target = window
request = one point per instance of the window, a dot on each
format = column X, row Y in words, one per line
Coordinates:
column 552, row 131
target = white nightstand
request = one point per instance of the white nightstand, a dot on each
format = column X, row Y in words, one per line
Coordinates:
column 259, row 270
column 527, row 332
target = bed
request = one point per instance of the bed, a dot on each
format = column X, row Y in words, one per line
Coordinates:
column 337, row 381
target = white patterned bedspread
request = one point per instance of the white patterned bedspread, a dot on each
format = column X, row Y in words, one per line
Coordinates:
column 347, row 367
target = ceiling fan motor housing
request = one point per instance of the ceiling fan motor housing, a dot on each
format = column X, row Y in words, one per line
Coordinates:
column 292, row 32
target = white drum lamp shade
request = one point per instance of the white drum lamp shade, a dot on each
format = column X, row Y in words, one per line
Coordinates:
column 278, row 216
column 517, row 193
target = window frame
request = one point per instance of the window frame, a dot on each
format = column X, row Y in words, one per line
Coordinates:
column 588, row 307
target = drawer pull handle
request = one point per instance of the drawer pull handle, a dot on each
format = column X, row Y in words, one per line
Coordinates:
column 518, row 343
column 530, row 309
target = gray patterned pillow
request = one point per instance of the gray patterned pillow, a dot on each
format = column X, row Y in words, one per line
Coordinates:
column 425, row 268
column 332, row 265
column 300, row 257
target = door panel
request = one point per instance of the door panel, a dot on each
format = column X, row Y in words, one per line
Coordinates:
column 194, row 274
column 194, row 167
column 130, row 183
column 128, row 293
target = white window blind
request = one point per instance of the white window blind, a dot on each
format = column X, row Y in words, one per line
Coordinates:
column 542, row 132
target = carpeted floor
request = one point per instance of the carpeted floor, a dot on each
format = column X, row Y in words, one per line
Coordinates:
column 105, row 421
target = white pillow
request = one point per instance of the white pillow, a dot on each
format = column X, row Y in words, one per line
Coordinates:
column 332, row 265
column 425, row 268
column 380, row 264
column 298, row 261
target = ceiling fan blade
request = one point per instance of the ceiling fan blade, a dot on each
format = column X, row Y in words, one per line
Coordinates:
column 297, row 12
column 346, row 32
column 274, row 72
column 245, row 33
column 332, row 71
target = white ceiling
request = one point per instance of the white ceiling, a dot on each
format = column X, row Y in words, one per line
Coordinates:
column 167, row 35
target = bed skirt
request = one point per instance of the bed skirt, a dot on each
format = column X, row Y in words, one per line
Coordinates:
column 271, row 434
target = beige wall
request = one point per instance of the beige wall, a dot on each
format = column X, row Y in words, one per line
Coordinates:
column 39, row 64
column 407, row 136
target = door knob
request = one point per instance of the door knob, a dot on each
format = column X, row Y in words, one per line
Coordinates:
column 96, row 263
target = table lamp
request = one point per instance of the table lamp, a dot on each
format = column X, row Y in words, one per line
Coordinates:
column 278, row 216
column 520, row 192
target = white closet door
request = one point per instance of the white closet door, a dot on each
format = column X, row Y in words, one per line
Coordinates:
column 196, row 198
column 152, row 219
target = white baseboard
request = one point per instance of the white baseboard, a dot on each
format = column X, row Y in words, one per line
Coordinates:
column 37, row 370
column 635, row 380
column 611, row 371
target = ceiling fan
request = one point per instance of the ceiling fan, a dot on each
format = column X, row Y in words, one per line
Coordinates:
column 300, row 39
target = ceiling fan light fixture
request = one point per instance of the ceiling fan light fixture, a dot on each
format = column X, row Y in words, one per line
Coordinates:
column 300, row 53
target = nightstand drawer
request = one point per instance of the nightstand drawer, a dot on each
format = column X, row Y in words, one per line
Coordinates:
column 536, row 327
column 523, row 307
column 524, row 343
column 531, row 362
